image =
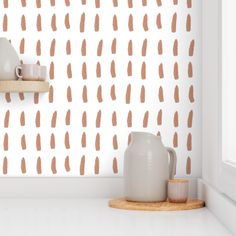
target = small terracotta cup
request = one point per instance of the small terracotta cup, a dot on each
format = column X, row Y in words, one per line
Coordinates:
column 178, row 190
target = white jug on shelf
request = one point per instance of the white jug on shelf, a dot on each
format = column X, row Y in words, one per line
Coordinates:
column 9, row 60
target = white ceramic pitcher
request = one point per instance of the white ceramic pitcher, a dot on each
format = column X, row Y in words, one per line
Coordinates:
column 147, row 168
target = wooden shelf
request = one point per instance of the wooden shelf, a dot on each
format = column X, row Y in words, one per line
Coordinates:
column 20, row 86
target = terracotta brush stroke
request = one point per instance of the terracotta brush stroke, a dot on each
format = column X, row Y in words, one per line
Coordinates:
column 161, row 94
column 54, row 119
column 8, row 97
column 129, row 139
column 82, row 22
column 113, row 46
column 36, row 98
column 143, row 71
column 189, row 142
column 99, row 94
column 190, row 70
column 113, row 69
column 67, row 140
column 176, row 71
column 114, row 23
column 97, row 3
column 96, row 23
column 67, row 21
column 37, row 119
column 188, row 166
column 115, row 3
column 84, row 119
column 23, row 24
column 97, row 142
column 51, row 71
column 175, row 48
column 159, row 47
column 128, row 94
column 6, row 119
column 145, row 119
column 191, row 48
column 176, row 119
column 69, row 94
column 130, row 3
column 113, row 92
column 129, row 68
column 175, row 140
column 158, row 21
column 145, row 22
column 39, row 166
column 38, row 3
column 190, row 119
column 83, row 48
column 83, row 140
column 144, row 2
column 176, row 94
column 82, row 165
column 67, row 120
column 22, row 46
column 53, row 23
column 189, row 3
column 5, row 22
column 99, row 49
column 144, row 48
column 50, row 95
column 23, row 142
column 98, row 70
column 130, row 48
column 161, row 71
column 175, row 2
column 114, row 142
column 96, row 166
column 38, row 48
column 190, row 95
column 84, row 71
column 142, row 94
column 130, row 23
column 115, row 166
column 67, row 2
column 5, row 166
column 114, row 119
column 159, row 3
column 68, row 47
column 23, row 166
column 5, row 3
column 85, row 96
column 39, row 24
column 129, row 119
column 174, row 23
column 21, row 96
column 159, row 117
column 69, row 71
column 98, row 119
column 38, row 142
column 52, row 141
column 23, row 3
column 5, row 142
column 83, row 2
column 52, row 2
column 188, row 23
column 67, row 164
column 54, row 165
column 22, row 119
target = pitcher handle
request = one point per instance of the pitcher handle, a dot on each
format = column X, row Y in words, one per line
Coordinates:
column 173, row 161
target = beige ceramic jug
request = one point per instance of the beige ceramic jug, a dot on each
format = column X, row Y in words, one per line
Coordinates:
column 147, row 168
column 8, row 60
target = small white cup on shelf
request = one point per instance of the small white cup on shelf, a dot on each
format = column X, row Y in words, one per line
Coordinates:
column 178, row 190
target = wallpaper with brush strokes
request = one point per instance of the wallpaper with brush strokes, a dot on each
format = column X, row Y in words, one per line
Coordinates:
column 114, row 66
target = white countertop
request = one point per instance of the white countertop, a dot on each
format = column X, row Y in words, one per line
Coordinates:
column 69, row 217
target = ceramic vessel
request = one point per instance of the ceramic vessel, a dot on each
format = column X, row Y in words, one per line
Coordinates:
column 178, row 190
column 147, row 168
column 8, row 60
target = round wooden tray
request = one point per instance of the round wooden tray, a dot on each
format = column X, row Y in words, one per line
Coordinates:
column 121, row 203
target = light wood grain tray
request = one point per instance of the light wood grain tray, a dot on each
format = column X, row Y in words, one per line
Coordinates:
column 121, row 203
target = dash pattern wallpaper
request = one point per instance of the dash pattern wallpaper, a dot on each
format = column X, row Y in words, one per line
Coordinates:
column 114, row 66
